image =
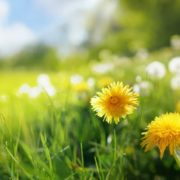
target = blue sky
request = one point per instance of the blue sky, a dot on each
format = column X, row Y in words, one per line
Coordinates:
column 29, row 13
column 61, row 23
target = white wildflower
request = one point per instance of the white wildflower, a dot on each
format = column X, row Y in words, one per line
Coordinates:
column 76, row 79
column 91, row 82
column 156, row 70
column 174, row 65
column 44, row 84
column 102, row 68
column 143, row 87
column 25, row 88
column 109, row 139
column 50, row 90
column 175, row 82
column 34, row 92
column 43, row 80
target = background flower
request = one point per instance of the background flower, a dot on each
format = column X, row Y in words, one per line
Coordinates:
column 174, row 65
column 175, row 82
column 156, row 70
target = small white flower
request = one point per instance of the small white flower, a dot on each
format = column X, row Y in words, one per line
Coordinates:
column 175, row 82
column 34, row 92
column 76, row 79
column 143, row 87
column 136, row 88
column 44, row 84
column 50, row 90
column 91, row 82
column 156, row 70
column 102, row 68
column 109, row 139
column 43, row 80
column 174, row 65
column 24, row 89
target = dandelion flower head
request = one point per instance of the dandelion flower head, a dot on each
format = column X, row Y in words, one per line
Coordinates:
column 114, row 101
column 163, row 132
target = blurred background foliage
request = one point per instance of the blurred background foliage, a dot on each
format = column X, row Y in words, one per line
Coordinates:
column 144, row 24
column 37, row 57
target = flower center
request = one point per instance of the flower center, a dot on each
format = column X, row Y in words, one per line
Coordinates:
column 114, row 100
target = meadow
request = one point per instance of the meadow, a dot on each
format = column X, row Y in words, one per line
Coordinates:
column 49, row 130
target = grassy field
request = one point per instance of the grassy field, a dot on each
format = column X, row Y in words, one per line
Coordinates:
column 58, row 136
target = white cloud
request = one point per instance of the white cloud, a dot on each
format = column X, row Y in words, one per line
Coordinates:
column 14, row 37
column 70, row 18
column 68, row 7
column 4, row 10
column 74, row 20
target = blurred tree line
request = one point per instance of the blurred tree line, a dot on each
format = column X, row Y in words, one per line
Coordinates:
column 37, row 57
column 142, row 24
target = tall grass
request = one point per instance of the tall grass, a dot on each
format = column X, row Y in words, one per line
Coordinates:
column 61, row 138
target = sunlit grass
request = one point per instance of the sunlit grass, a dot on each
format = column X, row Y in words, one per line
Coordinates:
column 60, row 137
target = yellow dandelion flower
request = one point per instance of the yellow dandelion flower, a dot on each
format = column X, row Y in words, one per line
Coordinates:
column 164, row 131
column 114, row 102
